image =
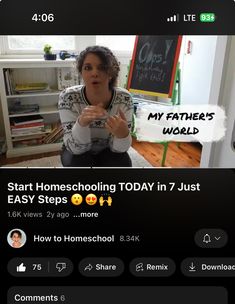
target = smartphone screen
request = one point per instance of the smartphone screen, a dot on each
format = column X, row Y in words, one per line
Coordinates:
column 117, row 152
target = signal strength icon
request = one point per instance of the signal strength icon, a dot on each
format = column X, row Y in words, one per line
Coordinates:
column 174, row 18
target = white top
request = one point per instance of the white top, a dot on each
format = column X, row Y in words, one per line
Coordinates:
column 94, row 137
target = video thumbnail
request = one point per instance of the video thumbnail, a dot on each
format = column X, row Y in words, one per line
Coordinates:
column 167, row 101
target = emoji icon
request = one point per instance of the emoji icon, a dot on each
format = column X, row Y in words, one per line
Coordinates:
column 102, row 201
column 91, row 199
column 76, row 199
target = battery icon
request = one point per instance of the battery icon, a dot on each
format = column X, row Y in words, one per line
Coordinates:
column 207, row 17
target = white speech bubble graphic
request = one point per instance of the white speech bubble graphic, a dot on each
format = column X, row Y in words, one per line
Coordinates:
column 187, row 123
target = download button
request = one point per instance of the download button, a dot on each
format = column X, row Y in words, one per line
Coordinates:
column 208, row 267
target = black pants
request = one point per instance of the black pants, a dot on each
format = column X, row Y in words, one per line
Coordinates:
column 105, row 158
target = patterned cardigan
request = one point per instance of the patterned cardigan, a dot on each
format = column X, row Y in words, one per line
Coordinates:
column 95, row 137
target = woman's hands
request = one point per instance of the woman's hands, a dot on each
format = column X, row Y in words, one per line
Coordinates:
column 117, row 125
column 91, row 113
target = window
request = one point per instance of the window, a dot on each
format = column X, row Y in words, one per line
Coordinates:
column 117, row 43
column 35, row 44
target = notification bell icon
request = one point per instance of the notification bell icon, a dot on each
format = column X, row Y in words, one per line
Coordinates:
column 206, row 239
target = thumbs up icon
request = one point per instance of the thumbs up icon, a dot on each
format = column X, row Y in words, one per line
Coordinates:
column 21, row 268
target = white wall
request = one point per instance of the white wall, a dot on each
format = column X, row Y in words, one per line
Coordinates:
column 196, row 68
column 222, row 153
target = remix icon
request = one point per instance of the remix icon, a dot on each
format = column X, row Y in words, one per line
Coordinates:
column 108, row 201
column 76, row 199
column 139, row 267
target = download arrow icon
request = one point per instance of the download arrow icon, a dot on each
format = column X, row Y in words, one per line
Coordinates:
column 192, row 267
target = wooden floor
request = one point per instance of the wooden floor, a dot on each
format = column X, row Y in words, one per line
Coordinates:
column 185, row 155
column 13, row 160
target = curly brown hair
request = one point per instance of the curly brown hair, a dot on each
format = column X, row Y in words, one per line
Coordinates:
column 107, row 58
column 16, row 232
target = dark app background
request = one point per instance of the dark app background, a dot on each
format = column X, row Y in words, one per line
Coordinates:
column 166, row 222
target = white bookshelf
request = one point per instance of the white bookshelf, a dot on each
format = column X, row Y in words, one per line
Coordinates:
column 31, row 71
column 42, row 110
column 50, row 93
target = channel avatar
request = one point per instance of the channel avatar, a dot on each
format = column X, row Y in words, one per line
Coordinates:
column 16, row 238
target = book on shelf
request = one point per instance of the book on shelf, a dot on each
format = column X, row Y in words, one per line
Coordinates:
column 6, row 80
column 9, row 82
column 31, row 87
column 18, row 130
column 18, row 108
column 28, row 125
column 55, row 135
column 27, row 142
column 16, row 121
column 26, row 131
column 28, row 137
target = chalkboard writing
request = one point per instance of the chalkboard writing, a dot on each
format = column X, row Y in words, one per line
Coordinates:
column 153, row 65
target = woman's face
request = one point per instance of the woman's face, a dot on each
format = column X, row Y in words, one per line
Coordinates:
column 16, row 238
column 94, row 73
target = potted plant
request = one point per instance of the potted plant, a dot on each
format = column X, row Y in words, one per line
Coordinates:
column 48, row 55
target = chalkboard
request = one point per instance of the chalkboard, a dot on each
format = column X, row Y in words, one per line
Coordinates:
column 153, row 65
